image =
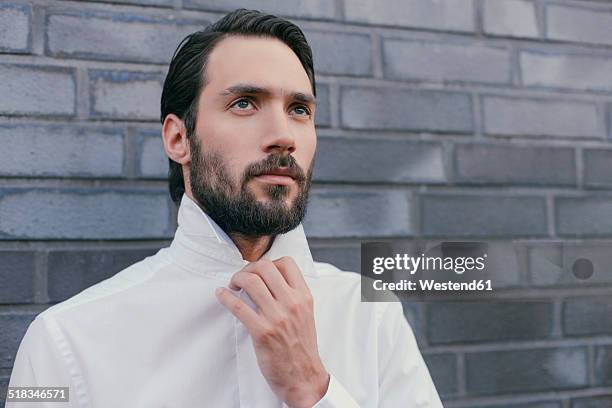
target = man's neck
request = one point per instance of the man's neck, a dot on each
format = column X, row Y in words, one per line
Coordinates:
column 251, row 248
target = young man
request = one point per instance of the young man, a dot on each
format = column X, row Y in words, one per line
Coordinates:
column 235, row 312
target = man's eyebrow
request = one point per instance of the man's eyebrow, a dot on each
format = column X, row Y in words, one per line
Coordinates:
column 241, row 89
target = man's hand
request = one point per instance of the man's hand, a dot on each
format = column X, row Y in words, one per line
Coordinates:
column 282, row 328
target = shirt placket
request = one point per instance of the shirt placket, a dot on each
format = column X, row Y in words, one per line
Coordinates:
column 239, row 337
column 254, row 391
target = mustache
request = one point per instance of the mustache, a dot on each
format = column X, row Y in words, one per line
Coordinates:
column 275, row 161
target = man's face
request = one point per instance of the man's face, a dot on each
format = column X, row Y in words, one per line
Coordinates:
column 254, row 119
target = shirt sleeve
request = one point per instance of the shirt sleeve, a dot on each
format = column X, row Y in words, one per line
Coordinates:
column 336, row 396
column 38, row 364
column 404, row 379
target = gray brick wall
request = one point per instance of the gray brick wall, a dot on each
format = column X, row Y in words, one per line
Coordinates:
column 447, row 119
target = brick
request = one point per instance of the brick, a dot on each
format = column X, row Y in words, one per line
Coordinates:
column 609, row 124
column 412, row 313
column 125, row 95
column 380, row 160
column 483, row 216
column 445, row 62
column 115, row 37
column 341, row 53
column 372, row 213
column 579, row 24
column 15, row 21
column 581, row 72
column 451, row 15
column 553, row 264
column 587, row 316
column 345, row 258
column 4, row 381
column 69, row 272
column 597, row 167
column 398, row 109
column 61, row 151
column 315, row 9
column 161, row 3
column 537, row 404
column 514, row 164
column 603, row 365
column 14, row 326
column 442, row 368
column 540, row 117
column 468, row 322
column 17, row 269
column 513, row 371
column 592, row 402
column 37, row 90
column 323, row 109
column 152, row 159
column 83, row 214
column 584, row 216
column 514, row 18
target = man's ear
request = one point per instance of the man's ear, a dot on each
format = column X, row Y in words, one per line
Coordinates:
column 174, row 136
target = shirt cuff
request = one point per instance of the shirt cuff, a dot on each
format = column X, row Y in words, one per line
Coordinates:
column 336, row 396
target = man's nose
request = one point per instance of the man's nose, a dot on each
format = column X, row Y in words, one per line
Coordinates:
column 278, row 136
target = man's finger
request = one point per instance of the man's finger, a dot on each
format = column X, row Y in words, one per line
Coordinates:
column 272, row 277
column 257, row 290
column 242, row 311
column 291, row 272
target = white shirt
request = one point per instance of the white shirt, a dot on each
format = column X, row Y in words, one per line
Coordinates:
column 154, row 334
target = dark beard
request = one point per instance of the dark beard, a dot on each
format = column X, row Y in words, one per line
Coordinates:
column 239, row 211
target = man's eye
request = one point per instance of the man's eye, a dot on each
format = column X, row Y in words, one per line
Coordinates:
column 242, row 103
column 302, row 110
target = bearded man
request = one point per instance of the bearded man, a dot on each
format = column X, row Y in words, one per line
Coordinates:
column 235, row 312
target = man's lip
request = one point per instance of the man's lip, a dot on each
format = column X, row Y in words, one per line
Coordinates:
column 275, row 179
column 279, row 172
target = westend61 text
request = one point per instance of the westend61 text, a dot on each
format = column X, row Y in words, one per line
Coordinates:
column 432, row 285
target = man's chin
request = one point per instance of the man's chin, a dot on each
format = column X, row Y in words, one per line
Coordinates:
column 268, row 202
column 274, row 193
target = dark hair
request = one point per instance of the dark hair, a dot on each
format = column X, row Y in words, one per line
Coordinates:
column 186, row 74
